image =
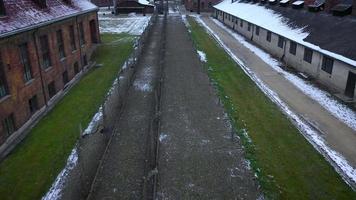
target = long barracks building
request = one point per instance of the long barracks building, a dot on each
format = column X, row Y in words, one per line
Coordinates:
column 44, row 45
column 317, row 38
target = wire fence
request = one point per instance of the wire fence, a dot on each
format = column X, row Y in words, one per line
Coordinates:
column 92, row 147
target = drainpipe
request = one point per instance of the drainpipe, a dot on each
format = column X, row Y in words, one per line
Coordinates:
column 39, row 66
column 253, row 29
column 80, row 46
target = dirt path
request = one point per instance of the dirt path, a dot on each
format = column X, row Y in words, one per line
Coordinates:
column 121, row 174
column 198, row 157
column 338, row 135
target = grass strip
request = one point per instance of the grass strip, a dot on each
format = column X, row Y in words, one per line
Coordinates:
column 28, row 172
column 287, row 166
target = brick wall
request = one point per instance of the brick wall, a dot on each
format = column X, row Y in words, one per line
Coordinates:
column 20, row 92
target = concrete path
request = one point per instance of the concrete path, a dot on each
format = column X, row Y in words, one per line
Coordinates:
column 198, row 158
column 121, row 174
column 337, row 134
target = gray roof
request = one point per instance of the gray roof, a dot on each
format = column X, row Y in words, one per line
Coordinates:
column 335, row 34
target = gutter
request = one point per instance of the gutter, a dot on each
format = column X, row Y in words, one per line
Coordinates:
column 28, row 28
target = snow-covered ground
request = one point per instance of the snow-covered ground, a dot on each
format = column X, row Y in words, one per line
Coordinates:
column 132, row 24
column 337, row 160
column 202, row 56
column 337, row 109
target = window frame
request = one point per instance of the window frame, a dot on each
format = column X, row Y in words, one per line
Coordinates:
column 81, row 34
column 292, row 47
column 33, row 104
column 4, row 89
column 25, row 60
column 308, row 55
column 280, row 42
column 72, row 38
column 269, row 36
column 324, row 65
column 257, row 30
column 60, row 44
column 9, row 125
column 45, row 51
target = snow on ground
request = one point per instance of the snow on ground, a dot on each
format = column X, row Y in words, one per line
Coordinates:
column 57, row 186
column 270, row 20
column 337, row 109
column 202, row 56
column 335, row 158
column 132, row 24
column 144, row 80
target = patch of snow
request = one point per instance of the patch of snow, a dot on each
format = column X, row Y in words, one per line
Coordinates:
column 337, row 109
column 54, row 192
column 143, row 81
column 185, row 21
column 162, row 137
column 94, row 122
column 335, row 158
column 202, row 56
column 144, row 2
column 270, row 20
column 134, row 25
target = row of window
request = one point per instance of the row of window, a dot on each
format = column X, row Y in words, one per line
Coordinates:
column 327, row 63
column 45, row 55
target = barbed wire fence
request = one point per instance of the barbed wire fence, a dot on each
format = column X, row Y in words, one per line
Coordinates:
column 91, row 147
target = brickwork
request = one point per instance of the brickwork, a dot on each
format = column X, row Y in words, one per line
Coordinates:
column 17, row 102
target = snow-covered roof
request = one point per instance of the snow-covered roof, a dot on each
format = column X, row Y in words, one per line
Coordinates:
column 299, row 32
column 22, row 15
column 297, row 3
column 144, row 2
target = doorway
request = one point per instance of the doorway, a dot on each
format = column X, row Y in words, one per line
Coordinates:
column 350, row 85
column 94, row 35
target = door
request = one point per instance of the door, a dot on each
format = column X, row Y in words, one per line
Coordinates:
column 350, row 85
column 94, row 35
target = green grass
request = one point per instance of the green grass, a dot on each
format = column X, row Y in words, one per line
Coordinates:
column 28, row 172
column 288, row 167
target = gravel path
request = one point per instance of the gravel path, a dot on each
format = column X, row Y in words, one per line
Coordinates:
column 123, row 167
column 198, row 158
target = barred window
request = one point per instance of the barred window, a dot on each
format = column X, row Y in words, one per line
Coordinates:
column 60, row 44
column 268, row 38
column 46, row 54
column 308, row 55
column 26, row 62
column 328, row 64
column 293, row 48
column 72, row 38
column 3, row 84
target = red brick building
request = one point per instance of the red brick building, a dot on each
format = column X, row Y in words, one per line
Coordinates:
column 205, row 5
column 44, row 44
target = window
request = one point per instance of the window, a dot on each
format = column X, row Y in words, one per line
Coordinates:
column 85, row 60
column 268, row 38
column 81, row 34
column 65, row 77
column 308, row 55
column 327, row 64
column 2, row 8
column 32, row 103
column 3, row 84
column 60, row 44
column 93, row 31
column 76, row 68
column 233, row 19
column 280, row 41
column 293, row 48
column 236, row 21
column 241, row 23
column 46, row 55
column 249, row 27
column 257, row 30
column 26, row 62
column 9, row 125
column 51, row 89
column 72, row 38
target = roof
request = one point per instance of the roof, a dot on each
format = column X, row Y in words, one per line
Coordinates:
column 22, row 15
column 330, row 35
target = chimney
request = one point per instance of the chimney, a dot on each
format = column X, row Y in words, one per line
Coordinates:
column 330, row 3
column 2, row 8
column 41, row 3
